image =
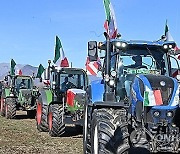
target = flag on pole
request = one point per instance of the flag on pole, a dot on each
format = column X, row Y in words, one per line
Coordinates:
column 59, row 57
column 13, row 64
column 110, row 24
column 20, row 72
column 167, row 33
column 40, row 71
column 169, row 36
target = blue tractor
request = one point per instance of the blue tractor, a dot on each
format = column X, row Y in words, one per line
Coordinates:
column 136, row 104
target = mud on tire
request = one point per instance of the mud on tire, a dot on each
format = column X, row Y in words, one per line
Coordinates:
column 55, row 120
column 10, row 108
column 109, row 131
column 41, row 117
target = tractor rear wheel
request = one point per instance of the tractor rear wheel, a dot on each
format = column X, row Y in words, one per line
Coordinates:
column 109, row 131
column 55, row 120
column 10, row 108
column 2, row 107
column 41, row 117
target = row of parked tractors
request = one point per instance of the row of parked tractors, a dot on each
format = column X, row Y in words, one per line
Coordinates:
column 134, row 106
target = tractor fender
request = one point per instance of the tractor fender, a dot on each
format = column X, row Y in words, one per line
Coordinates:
column 45, row 96
column 6, row 92
column 109, row 104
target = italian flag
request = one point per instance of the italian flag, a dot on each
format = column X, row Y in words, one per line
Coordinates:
column 40, row 71
column 152, row 97
column 169, row 36
column 110, row 24
column 13, row 64
column 60, row 57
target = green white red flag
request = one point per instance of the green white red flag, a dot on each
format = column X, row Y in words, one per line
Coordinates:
column 13, row 64
column 59, row 57
column 110, row 24
column 41, row 69
column 169, row 36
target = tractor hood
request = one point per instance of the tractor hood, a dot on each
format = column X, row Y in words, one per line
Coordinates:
column 25, row 97
column 155, row 90
column 75, row 99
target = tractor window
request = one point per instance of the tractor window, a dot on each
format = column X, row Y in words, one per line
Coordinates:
column 174, row 66
column 132, row 62
column 68, row 81
column 24, row 83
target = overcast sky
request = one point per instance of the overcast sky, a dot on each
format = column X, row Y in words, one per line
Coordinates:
column 28, row 27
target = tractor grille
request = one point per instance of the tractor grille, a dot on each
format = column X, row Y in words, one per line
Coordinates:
column 166, row 90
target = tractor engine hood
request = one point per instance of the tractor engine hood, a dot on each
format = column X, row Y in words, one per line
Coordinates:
column 75, row 99
column 155, row 90
column 25, row 96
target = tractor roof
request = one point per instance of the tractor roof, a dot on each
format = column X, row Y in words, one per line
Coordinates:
column 141, row 44
column 23, row 76
column 69, row 69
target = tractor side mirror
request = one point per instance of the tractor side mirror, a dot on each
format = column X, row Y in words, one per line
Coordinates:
column 6, row 78
column 92, row 51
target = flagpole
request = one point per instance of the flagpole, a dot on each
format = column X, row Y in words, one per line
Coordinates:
column 71, row 64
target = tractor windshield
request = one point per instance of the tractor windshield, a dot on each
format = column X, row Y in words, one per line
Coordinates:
column 73, row 79
column 131, row 62
column 24, row 83
column 142, row 62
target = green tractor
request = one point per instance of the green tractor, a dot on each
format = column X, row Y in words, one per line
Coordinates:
column 62, row 102
column 19, row 93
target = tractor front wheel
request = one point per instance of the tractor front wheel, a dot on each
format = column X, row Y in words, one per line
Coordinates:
column 41, row 117
column 10, row 108
column 55, row 120
column 109, row 131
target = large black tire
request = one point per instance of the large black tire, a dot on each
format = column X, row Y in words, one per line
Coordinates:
column 109, row 131
column 10, row 108
column 41, row 117
column 2, row 107
column 55, row 120
column 86, row 132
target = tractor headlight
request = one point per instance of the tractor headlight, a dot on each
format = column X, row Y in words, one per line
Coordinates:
column 165, row 46
column 113, row 73
column 12, row 95
column 106, row 77
column 53, row 85
column 169, row 114
column 156, row 113
column 124, row 45
column 118, row 44
column 170, row 46
column 111, row 83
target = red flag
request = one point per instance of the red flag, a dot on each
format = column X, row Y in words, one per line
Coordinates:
column 64, row 61
column 20, row 72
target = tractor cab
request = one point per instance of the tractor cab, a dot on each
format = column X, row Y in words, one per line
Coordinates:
column 23, row 82
column 67, row 80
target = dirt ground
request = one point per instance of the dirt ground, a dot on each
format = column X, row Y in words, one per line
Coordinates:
column 20, row 136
